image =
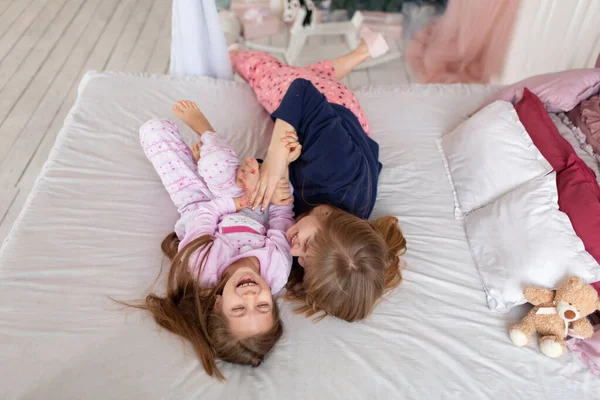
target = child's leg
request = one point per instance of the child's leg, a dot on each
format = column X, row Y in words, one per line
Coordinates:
column 188, row 112
column 345, row 64
column 339, row 67
column 324, row 67
column 218, row 166
column 252, row 64
column 218, row 163
column 335, row 92
column 268, row 77
column 172, row 159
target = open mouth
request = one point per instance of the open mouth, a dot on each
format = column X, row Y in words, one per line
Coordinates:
column 246, row 281
column 294, row 240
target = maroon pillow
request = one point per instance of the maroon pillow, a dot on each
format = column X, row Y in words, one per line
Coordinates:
column 578, row 189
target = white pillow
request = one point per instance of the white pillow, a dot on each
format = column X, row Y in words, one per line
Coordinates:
column 523, row 239
column 488, row 155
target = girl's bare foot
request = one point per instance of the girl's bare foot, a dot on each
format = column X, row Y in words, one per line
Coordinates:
column 190, row 114
column 248, row 175
column 196, row 150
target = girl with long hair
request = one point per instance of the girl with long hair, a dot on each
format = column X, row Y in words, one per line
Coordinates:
column 345, row 263
column 226, row 260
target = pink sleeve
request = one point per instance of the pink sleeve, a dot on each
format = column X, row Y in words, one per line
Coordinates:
column 205, row 220
column 276, row 268
column 281, row 218
column 209, row 275
column 218, row 166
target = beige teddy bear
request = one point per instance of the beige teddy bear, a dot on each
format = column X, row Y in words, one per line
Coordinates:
column 557, row 313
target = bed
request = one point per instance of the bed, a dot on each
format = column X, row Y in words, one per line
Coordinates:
column 92, row 227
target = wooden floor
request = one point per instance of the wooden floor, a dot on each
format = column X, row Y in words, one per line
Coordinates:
column 47, row 45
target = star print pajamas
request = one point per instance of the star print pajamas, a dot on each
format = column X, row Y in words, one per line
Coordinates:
column 339, row 164
column 270, row 79
column 203, row 194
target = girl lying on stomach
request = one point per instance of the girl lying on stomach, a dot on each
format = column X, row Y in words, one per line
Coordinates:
column 346, row 262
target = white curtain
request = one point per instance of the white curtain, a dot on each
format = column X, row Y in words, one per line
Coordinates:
column 198, row 44
column 552, row 35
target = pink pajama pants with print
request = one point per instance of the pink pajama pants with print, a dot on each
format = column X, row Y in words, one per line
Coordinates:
column 188, row 183
column 270, row 80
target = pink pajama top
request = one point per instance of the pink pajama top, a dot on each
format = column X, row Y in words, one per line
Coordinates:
column 236, row 234
column 239, row 235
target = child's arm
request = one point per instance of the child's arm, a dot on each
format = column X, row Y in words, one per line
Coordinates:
column 205, row 220
column 283, row 194
column 281, row 217
column 278, row 268
column 283, row 149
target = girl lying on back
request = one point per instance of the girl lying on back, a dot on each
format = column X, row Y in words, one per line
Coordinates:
column 226, row 259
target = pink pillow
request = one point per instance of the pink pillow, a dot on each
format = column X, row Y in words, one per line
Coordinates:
column 578, row 190
column 559, row 91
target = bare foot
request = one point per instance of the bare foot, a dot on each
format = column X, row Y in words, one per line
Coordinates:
column 190, row 114
column 248, row 175
column 196, row 150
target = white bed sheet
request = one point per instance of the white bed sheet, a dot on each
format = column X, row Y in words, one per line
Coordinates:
column 92, row 228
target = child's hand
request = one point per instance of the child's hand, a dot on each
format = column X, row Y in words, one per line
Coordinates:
column 241, row 202
column 292, row 144
column 247, row 176
column 283, row 194
column 196, row 151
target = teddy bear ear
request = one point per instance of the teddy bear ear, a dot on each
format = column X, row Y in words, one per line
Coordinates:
column 574, row 279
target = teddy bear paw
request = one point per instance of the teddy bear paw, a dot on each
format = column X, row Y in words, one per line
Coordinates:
column 551, row 348
column 518, row 337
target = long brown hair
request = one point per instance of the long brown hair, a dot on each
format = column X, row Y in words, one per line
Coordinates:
column 189, row 311
column 351, row 264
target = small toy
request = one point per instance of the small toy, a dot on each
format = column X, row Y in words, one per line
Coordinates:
column 556, row 315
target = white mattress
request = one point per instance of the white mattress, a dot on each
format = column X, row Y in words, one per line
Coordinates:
column 92, row 229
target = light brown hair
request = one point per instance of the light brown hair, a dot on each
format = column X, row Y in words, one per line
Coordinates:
column 351, row 263
column 189, row 311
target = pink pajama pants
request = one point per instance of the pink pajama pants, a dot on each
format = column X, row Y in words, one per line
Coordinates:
column 270, row 80
column 188, row 183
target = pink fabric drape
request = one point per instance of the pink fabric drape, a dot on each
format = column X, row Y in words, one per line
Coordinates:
column 467, row 44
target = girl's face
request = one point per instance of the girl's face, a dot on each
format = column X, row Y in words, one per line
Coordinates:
column 304, row 230
column 246, row 302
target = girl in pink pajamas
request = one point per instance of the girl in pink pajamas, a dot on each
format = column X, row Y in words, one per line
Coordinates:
column 226, row 259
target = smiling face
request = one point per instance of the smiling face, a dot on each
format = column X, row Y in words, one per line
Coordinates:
column 246, row 301
column 304, row 230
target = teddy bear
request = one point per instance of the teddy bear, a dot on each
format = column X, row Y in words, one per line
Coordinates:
column 557, row 313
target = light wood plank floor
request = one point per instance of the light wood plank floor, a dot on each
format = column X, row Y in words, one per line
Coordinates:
column 47, row 45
